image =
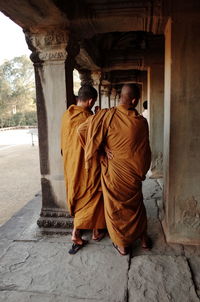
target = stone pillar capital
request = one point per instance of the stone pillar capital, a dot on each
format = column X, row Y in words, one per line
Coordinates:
column 96, row 77
column 48, row 46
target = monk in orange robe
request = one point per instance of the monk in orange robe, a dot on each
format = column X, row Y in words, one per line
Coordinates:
column 83, row 188
column 123, row 131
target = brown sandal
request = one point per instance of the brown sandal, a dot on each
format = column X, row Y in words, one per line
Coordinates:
column 147, row 244
column 121, row 253
column 99, row 237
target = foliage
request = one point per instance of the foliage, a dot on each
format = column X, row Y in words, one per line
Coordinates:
column 20, row 119
column 17, row 92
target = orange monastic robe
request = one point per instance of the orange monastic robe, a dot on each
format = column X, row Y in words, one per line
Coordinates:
column 84, row 194
column 125, row 133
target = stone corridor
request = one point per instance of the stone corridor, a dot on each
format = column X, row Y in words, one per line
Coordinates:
column 35, row 267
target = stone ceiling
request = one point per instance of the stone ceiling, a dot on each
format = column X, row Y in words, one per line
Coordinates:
column 112, row 35
column 121, row 50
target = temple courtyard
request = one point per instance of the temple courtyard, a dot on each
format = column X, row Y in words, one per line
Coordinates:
column 37, row 267
column 19, row 177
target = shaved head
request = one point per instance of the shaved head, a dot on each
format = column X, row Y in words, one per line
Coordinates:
column 130, row 94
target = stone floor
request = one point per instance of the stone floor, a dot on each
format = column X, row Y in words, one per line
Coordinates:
column 38, row 268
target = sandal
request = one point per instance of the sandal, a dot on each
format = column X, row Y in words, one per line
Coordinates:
column 121, row 253
column 148, row 244
column 76, row 247
column 99, row 237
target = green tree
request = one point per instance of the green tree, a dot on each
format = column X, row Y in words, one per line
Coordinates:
column 17, row 89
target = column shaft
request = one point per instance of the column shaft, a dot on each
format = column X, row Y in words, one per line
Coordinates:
column 156, row 117
column 49, row 55
column 182, row 119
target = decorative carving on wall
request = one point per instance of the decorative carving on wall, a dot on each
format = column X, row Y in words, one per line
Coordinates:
column 190, row 214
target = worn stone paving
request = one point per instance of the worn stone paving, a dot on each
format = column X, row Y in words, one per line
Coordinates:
column 36, row 267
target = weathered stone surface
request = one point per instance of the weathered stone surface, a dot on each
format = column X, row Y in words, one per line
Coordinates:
column 191, row 251
column 95, row 273
column 151, row 193
column 160, row 182
column 37, row 267
column 151, row 189
column 14, row 296
column 160, row 278
column 194, row 263
column 25, row 219
column 160, row 246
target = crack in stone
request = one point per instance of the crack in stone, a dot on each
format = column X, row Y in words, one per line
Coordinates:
column 15, row 265
column 9, row 287
column 192, row 276
column 26, row 240
column 6, row 250
column 129, row 266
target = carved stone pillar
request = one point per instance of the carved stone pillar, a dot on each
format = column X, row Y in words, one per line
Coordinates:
column 144, row 93
column 104, row 97
column 113, row 97
column 144, row 86
column 49, row 55
column 109, row 97
column 182, row 118
column 96, row 78
column 156, row 117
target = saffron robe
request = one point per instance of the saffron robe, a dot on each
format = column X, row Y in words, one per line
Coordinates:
column 125, row 133
column 83, row 188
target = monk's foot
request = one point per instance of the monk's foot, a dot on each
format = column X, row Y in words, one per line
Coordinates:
column 98, row 235
column 123, row 251
column 146, row 242
column 76, row 237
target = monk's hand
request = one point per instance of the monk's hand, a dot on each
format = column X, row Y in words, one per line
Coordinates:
column 108, row 153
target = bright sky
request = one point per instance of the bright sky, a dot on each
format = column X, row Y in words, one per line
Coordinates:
column 13, row 42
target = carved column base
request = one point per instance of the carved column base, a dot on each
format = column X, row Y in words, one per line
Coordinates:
column 55, row 221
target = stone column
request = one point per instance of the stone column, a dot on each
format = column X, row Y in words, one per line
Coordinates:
column 156, row 117
column 109, row 97
column 72, row 51
column 49, row 55
column 139, row 107
column 144, row 86
column 113, row 97
column 182, row 120
column 104, row 97
column 144, row 91
column 96, row 78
